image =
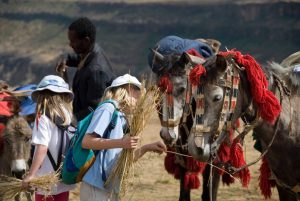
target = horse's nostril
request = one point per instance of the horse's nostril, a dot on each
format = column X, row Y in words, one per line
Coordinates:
column 18, row 174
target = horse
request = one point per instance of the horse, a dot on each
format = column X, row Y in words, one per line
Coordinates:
column 15, row 144
column 271, row 109
column 176, row 121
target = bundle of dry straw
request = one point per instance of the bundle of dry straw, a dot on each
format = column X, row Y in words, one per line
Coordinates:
column 137, row 119
column 11, row 186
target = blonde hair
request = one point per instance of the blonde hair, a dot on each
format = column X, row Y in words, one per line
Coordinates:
column 55, row 103
column 121, row 95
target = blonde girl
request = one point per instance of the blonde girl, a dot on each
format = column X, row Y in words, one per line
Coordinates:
column 53, row 112
column 123, row 93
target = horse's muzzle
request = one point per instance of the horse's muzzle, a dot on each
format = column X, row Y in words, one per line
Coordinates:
column 199, row 147
column 169, row 136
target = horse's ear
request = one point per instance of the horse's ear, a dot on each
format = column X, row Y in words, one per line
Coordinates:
column 194, row 60
column 221, row 64
column 157, row 55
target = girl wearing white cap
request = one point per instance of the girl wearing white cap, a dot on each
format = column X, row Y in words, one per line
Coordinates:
column 123, row 92
column 53, row 112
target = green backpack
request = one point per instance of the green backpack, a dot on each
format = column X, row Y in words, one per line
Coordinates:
column 78, row 160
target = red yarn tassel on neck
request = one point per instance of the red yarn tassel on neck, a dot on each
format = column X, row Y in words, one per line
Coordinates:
column 265, row 183
column 237, row 160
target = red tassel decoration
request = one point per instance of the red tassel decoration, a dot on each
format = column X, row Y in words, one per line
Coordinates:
column 191, row 181
column 269, row 107
column 237, row 160
column 195, row 166
column 265, row 183
column 165, row 84
column 196, row 74
column 227, row 179
column 170, row 163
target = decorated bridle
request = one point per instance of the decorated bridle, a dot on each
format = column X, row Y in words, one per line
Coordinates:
column 230, row 83
column 166, row 86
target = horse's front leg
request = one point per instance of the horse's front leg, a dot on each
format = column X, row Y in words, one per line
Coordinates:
column 285, row 195
column 206, row 184
column 185, row 195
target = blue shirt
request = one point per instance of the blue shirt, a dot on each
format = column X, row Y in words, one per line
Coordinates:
column 100, row 121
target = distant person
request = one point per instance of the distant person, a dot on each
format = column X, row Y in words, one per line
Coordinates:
column 94, row 72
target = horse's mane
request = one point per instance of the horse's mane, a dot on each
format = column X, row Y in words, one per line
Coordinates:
column 287, row 74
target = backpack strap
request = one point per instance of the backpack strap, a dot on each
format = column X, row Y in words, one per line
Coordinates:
column 106, row 135
column 59, row 156
column 58, row 122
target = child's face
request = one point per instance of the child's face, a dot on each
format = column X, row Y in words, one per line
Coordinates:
column 134, row 92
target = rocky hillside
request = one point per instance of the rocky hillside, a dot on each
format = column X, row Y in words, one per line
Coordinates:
column 34, row 33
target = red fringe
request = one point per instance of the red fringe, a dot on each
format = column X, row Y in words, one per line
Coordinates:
column 191, row 181
column 265, row 183
column 196, row 74
column 170, row 162
column 227, row 179
column 165, row 84
column 193, row 168
column 237, row 160
column 269, row 107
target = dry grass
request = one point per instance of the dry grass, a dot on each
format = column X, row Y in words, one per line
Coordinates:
column 138, row 118
column 10, row 186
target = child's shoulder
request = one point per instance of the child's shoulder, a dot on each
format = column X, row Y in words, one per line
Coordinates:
column 109, row 106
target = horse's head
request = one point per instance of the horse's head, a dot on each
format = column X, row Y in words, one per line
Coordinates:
column 172, row 83
column 216, row 107
column 17, row 136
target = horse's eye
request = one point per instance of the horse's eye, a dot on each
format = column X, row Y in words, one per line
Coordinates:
column 217, row 98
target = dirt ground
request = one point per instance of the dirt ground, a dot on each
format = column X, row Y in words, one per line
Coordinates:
column 152, row 182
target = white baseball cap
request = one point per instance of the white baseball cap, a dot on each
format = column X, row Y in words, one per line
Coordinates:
column 122, row 80
column 53, row 83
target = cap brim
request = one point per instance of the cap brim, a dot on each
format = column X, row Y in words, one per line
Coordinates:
column 53, row 89
column 118, row 85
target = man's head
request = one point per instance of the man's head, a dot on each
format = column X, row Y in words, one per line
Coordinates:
column 82, row 35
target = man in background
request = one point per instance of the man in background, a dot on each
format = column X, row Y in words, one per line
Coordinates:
column 94, row 72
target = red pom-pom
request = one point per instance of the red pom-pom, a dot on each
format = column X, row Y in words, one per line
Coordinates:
column 196, row 74
column 165, row 84
column 265, row 183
